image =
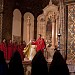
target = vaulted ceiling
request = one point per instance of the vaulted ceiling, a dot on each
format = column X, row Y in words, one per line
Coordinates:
column 33, row 6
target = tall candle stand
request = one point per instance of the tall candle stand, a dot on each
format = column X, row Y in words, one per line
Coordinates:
column 59, row 40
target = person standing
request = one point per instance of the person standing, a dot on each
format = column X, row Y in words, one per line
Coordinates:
column 10, row 49
column 58, row 66
column 15, row 46
column 15, row 65
column 20, row 50
column 4, row 48
column 39, row 64
column 40, row 44
column 23, row 45
column 3, row 64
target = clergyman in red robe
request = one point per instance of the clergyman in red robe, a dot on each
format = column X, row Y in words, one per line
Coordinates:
column 20, row 50
column 40, row 44
column 15, row 46
column 23, row 45
column 4, row 48
column 10, row 49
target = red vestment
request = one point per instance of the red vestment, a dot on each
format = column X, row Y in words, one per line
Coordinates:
column 40, row 44
column 0, row 46
column 23, row 46
column 4, row 49
column 15, row 47
column 10, row 49
column 20, row 50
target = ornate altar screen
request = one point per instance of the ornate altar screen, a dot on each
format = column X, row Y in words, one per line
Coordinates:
column 47, row 26
column 48, row 23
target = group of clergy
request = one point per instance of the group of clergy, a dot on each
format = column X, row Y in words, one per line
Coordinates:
column 33, row 47
column 10, row 47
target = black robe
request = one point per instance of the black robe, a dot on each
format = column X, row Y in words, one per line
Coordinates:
column 39, row 64
column 3, row 65
column 15, row 65
column 58, row 65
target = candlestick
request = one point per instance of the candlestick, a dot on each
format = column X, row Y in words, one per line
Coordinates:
column 59, row 40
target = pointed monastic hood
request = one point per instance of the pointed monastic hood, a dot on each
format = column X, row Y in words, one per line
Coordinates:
column 2, row 60
column 39, row 64
column 58, row 65
column 15, row 65
column 3, row 64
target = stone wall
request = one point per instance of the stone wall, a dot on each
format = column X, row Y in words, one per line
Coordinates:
column 7, row 19
column 70, row 31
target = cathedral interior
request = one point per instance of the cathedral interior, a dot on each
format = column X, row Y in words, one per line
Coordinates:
column 23, row 20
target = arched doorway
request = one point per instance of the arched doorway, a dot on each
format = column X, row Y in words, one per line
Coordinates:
column 28, row 29
column 16, row 27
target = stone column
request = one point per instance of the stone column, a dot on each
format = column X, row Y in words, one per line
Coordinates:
column 40, row 27
column 22, row 25
column 28, row 29
column 1, row 18
column 53, row 30
column 35, row 27
column 44, row 29
column 56, row 31
column 62, row 19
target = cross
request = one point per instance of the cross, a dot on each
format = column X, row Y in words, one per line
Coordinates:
column 28, row 19
column 50, row 2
